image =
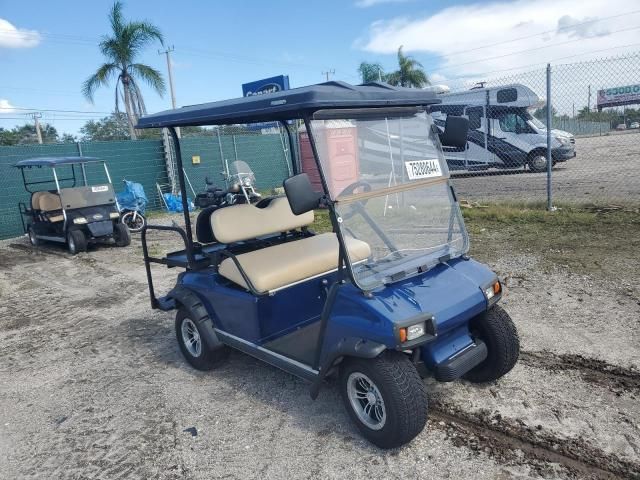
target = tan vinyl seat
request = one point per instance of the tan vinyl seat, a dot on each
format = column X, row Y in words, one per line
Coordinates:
column 274, row 267
column 284, row 264
column 50, row 202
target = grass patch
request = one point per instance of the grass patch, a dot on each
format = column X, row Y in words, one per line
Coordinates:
column 322, row 222
column 586, row 239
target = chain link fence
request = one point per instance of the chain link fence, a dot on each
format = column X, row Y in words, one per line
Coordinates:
column 594, row 143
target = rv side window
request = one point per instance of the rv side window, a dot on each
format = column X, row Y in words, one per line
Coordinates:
column 507, row 95
column 475, row 116
column 513, row 122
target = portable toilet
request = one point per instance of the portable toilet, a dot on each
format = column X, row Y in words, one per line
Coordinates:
column 337, row 142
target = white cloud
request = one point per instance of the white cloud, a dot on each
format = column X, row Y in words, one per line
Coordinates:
column 463, row 37
column 372, row 3
column 12, row 37
column 6, row 107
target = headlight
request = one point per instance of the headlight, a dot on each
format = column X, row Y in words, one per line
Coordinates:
column 79, row 220
column 412, row 332
column 563, row 140
column 114, row 215
column 492, row 292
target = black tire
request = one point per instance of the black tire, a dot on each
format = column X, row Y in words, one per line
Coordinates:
column 33, row 240
column 134, row 224
column 209, row 355
column 402, row 391
column 496, row 329
column 76, row 241
column 538, row 161
column 121, row 235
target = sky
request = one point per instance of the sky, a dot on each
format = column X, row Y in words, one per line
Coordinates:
column 48, row 48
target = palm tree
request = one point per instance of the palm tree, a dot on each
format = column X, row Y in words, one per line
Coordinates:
column 409, row 74
column 121, row 49
column 371, row 72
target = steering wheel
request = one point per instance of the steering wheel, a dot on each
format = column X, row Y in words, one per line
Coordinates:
column 357, row 206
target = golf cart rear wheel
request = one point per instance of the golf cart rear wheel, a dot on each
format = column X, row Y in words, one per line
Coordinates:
column 121, row 235
column 33, row 240
column 193, row 340
column 496, row 329
column 76, row 242
column 385, row 397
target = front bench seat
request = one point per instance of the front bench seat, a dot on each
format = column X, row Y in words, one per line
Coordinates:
column 275, row 267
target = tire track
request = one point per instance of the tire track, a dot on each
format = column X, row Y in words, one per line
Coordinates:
column 617, row 379
column 501, row 438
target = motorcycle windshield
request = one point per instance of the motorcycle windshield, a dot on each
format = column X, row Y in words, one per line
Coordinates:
column 387, row 175
column 242, row 172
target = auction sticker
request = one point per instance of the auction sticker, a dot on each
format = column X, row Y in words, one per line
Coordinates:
column 417, row 169
column 100, row 188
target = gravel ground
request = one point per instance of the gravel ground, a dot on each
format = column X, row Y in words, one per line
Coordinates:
column 605, row 170
column 94, row 386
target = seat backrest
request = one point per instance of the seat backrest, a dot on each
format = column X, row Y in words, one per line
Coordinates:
column 49, row 202
column 35, row 200
column 245, row 221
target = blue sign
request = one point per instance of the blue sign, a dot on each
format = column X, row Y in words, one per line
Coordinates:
column 266, row 85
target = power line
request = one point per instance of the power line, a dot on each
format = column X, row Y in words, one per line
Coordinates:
column 530, row 50
column 50, row 110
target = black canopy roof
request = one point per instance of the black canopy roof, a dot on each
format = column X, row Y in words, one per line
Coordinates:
column 54, row 161
column 290, row 104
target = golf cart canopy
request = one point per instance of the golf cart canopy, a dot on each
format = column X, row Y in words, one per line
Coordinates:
column 54, row 161
column 290, row 104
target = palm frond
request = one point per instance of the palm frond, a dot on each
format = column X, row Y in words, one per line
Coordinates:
column 98, row 79
column 149, row 75
column 116, row 18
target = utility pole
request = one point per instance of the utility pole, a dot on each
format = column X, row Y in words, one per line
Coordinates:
column 329, row 72
column 589, row 100
column 167, row 52
column 36, row 117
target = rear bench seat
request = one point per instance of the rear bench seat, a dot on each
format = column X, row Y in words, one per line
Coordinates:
column 48, row 203
column 275, row 267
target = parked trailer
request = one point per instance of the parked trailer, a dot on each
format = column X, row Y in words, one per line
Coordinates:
column 502, row 131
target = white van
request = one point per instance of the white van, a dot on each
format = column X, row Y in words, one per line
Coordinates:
column 502, row 131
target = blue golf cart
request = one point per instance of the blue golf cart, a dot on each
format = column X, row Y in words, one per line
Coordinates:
column 386, row 297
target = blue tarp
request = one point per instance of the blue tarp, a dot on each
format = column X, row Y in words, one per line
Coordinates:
column 174, row 202
column 133, row 197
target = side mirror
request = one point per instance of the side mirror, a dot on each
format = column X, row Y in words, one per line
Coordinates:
column 455, row 132
column 300, row 194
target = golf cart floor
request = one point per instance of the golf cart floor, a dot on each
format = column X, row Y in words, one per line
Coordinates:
column 299, row 345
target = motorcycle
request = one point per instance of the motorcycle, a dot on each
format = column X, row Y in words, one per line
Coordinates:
column 240, row 188
column 132, row 203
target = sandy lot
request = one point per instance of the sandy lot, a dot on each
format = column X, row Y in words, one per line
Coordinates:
column 94, row 386
column 605, row 170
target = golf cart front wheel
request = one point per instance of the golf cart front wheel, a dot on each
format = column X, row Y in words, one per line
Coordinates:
column 193, row 340
column 121, row 235
column 385, row 397
column 496, row 329
column 76, row 242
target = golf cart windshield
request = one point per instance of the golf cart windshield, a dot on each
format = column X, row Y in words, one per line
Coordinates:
column 385, row 170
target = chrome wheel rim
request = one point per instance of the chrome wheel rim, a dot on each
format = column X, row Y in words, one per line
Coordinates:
column 539, row 162
column 366, row 400
column 191, row 337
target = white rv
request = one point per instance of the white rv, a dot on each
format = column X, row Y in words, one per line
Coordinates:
column 502, row 131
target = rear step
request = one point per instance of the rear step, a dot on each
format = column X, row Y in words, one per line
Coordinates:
column 463, row 361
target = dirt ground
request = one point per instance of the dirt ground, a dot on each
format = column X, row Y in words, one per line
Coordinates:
column 605, row 170
column 94, row 385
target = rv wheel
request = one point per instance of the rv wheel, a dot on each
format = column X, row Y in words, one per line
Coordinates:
column 538, row 163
